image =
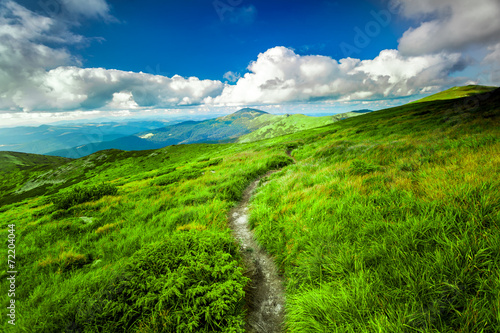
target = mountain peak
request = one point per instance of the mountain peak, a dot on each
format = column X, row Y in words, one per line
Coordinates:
column 250, row 111
column 245, row 113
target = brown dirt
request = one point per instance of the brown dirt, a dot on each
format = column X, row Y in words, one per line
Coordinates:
column 264, row 294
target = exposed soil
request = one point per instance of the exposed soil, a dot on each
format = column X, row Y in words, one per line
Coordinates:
column 264, row 295
column 289, row 153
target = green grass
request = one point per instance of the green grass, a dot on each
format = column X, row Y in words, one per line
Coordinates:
column 387, row 222
column 115, row 247
column 291, row 124
column 78, row 195
column 457, row 92
column 391, row 223
column 14, row 161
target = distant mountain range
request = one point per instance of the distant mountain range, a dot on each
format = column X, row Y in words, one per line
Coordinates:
column 244, row 125
column 46, row 138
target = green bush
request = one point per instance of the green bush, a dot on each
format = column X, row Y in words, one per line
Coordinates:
column 191, row 282
column 80, row 194
column 278, row 162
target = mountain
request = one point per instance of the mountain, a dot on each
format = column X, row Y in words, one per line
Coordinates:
column 227, row 128
column 457, row 92
column 385, row 222
column 46, row 138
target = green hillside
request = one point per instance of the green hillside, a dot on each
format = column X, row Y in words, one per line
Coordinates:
column 13, row 161
column 457, row 92
column 386, row 222
column 292, row 123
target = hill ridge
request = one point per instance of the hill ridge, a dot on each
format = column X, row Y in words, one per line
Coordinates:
column 226, row 128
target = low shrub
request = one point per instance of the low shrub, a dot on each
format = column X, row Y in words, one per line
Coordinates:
column 80, row 194
column 278, row 162
column 191, row 282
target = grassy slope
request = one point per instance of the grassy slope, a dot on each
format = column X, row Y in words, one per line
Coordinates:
column 457, row 92
column 291, row 124
column 156, row 255
column 390, row 222
column 17, row 168
column 13, row 161
column 387, row 222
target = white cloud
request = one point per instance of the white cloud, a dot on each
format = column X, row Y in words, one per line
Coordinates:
column 69, row 88
column 96, row 9
column 493, row 56
column 492, row 63
column 123, row 100
column 449, row 25
column 231, row 76
column 36, row 77
column 24, row 56
column 280, row 75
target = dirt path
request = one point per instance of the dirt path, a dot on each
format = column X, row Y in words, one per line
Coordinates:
column 265, row 295
column 289, row 153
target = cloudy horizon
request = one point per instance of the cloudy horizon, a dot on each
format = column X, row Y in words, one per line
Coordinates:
column 46, row 48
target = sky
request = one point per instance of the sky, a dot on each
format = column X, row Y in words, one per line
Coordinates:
column 75, row 59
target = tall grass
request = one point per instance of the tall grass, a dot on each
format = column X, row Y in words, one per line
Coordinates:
column 393, row 230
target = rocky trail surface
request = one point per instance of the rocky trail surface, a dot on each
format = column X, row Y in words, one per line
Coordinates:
column 265, row 293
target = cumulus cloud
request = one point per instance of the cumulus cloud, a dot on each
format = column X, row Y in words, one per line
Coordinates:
column 38, row 73
column 24, row 56
column 449, row 25
column 70, row 87
column 34, row 76
column 280, row 75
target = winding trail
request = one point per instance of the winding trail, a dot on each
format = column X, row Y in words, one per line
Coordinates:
column 265, row 295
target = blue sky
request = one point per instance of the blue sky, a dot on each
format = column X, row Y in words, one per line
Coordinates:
column 198, row 38
column 63, row 59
